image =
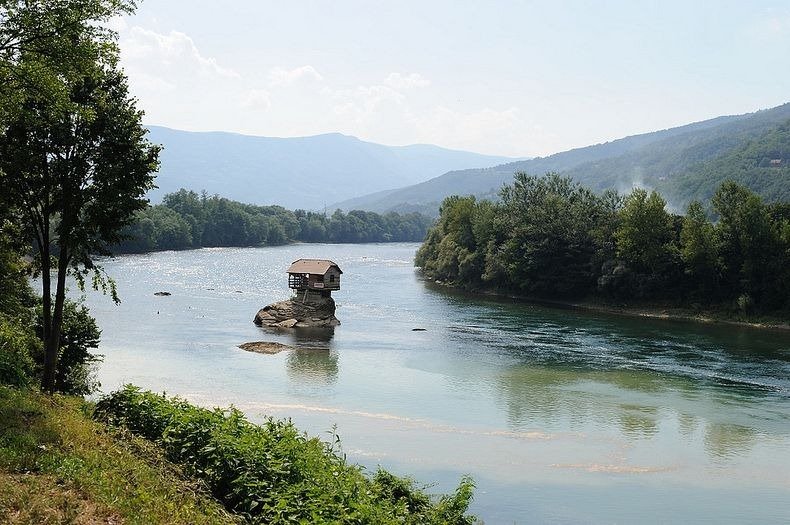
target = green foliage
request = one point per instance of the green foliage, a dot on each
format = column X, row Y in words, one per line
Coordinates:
column 760, row 162
column 542, row 238
column 272, row 473
column 57, row 466
column 752, row 249
column 645, row 234
column 18, row 342
column 186, row 219
column 551, row 224
column 74, row 160
column 698, row 247
column 549, row 237
column 76, row 363
column 18, row 345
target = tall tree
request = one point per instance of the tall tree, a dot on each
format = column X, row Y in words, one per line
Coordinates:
column 645, row 231
column 698, row 247
column 73, row 152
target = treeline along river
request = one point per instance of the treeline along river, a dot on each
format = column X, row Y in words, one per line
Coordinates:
column 559, row 415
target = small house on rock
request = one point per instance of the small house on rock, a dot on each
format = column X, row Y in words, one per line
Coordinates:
column 314, row 275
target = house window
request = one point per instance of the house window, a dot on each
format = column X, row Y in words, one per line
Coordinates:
column 331, row 277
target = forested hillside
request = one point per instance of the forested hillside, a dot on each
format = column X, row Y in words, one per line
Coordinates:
column 648, row 160
column 761, row 163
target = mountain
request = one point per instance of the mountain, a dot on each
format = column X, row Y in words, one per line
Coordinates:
column 762, row 163
column 650, row 159
column 302, row 172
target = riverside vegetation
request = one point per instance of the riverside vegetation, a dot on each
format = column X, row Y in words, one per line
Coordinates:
column 186, row 219
column 549, row 237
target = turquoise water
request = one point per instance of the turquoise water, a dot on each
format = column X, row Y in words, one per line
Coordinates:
column 560, row 416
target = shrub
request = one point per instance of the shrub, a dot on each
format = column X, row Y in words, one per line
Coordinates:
column 17, row 345
column 272, row 473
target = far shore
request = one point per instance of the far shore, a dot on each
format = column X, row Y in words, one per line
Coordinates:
column 648, row 311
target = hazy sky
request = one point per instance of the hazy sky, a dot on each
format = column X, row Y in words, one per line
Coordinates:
column 513, row 78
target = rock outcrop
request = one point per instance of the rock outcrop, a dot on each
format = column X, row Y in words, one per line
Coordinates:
column 312, row 311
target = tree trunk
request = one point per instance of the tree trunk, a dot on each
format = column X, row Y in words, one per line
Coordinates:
column 50, row 357
column 52, row 342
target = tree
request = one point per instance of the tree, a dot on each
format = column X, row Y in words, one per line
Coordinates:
column 550, row 243
column 79, row 335
column 698, row 247
column 645, row 231
column 73, row 152
column 749, row 243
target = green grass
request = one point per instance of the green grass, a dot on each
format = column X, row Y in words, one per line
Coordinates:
column 57, row 466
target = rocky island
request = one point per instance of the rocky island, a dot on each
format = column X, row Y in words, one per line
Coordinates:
column 309, row 310
column 312, row 306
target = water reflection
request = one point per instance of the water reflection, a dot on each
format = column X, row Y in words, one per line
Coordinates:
column 725, row 440
column 312, row 336
column 553, row 397
column 638, row 421
column 318, row 366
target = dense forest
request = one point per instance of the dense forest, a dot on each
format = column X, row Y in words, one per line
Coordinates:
column 187, row 219
column 550, row 237
column 761, row 163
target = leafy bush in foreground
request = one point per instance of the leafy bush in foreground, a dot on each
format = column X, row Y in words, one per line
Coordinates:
column 273, row 473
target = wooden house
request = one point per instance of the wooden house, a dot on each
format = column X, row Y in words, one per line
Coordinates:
column 314, row 275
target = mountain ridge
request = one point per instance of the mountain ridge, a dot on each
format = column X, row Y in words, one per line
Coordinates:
column 296, row 172
column 618, row 164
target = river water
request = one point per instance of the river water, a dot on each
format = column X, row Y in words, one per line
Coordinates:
column 560, row 416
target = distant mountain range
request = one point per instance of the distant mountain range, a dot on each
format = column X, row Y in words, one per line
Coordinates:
column 684, row 163
column 303, row 172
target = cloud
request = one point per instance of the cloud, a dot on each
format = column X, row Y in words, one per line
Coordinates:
column 258, row 99
column 403, row 82
column 174, row 50
column 284, row 77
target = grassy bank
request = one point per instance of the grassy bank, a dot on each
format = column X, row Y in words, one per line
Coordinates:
column 58, row 466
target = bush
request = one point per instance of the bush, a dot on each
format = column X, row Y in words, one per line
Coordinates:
column 17, row 347
column 273, row 473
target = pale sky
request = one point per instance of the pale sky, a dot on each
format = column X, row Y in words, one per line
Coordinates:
column 509, row 78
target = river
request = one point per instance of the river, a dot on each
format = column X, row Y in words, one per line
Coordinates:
column 560, row 416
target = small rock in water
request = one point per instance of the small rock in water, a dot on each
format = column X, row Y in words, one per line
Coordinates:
column 162, row 294
column 418, row 330
column 265, row 347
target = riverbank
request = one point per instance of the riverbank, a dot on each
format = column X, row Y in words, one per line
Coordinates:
column 59, row 466
column 137, row 457
column 660, row 311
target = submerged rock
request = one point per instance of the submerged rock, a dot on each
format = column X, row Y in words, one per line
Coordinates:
column 310, row 311
column 273, row 347
column 264, row 347
column 162, row 294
